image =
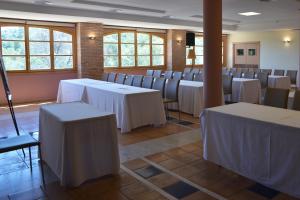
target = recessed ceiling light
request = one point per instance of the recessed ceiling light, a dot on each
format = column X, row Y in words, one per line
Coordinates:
column 249, row 13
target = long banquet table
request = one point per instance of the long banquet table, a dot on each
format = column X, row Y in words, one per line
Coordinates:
column 78, row 142
column 190, row 97
column 134, row 107
column 246, row 90
column 259, row 142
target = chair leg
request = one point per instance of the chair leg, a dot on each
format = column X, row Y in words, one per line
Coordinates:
column 30, row 160
column 167, row 112
column 42, row 168
column 178, row 111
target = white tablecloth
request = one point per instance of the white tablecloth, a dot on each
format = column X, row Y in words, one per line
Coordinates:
column 190, row 97
column 246, row 90
column 78, row 142
column 134, row 107
column 283, row 82
column 259, row 142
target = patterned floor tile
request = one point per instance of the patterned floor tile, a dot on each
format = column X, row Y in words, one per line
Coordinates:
column 148, row 172
column 180, row 189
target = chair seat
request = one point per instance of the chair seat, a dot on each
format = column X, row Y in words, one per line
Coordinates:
column 18, row 142
column 169, row 100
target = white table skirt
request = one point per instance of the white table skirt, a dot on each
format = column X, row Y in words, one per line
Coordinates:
column 78, row 142
column 190, row 97
column 134, row 107
column 246, row 90
column 259, row 142
column 283, row 82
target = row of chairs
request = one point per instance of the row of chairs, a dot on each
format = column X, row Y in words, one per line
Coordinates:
column 167, row 87
column 273, row 96
column 252, row 73
column 191, row 74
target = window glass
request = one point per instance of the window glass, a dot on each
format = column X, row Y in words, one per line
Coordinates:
column 13, row 47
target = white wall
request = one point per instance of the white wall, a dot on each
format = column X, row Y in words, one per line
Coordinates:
column 273, row 52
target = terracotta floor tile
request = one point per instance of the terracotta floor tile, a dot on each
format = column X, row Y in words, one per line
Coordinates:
column 135, row 164
column 207, row 178
column 158, row 157
column 203, row 165
column 231, row 185
column 186, row 171
column 186, row 158
column 171, row 164
column 175, row 152
column 191, row 147
column 163, row 180
column 246, row 195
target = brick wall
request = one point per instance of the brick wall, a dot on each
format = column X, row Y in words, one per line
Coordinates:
column 90, row 52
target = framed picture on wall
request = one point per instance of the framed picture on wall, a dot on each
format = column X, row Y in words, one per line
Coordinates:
column 251, row 52
column 240, row 52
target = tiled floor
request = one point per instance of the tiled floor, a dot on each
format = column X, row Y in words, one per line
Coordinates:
column 157, row 163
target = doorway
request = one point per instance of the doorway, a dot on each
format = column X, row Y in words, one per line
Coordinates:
column 246, row 55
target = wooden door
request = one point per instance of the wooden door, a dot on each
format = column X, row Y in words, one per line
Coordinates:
column 246, row 54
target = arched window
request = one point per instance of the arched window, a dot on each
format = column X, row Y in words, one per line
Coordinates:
column 36, row 48
column 133, row 49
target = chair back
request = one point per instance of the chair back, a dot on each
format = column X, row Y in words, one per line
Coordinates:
column 224, row 70
column 157, row 73
column 128, row 80
column 188, row 76
column 279, row 72
column 159, row 84
column 276, row 97
column 237, row 74
column 149, row 72
column 177, row 75
column 293, row 75
column 104, row 76
column 137, row 80
column 112, row 77
column 198, row 77
column 171, row 89
column 195, row 70
column 168, row 74
column 268, row 71
column 263, row 79
column 147, row 82
column 249, row 74
column 296, row 104
column 187, row 70
column 121, row 78
column 227, row 84
column 244, row 70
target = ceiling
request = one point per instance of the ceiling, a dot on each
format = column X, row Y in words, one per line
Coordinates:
column 164, row 14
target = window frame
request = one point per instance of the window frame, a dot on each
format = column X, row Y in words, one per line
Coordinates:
column 67, row 30
column 224, row 55
column 119, row 31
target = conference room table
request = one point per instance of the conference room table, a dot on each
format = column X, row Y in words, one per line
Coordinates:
column 246, row 90
column 78, row 142
column 134, row 107
column 256, row 141
column 283, row 82
column 190, row 98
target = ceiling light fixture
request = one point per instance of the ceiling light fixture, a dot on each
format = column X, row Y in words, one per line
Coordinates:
column 249, row 13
